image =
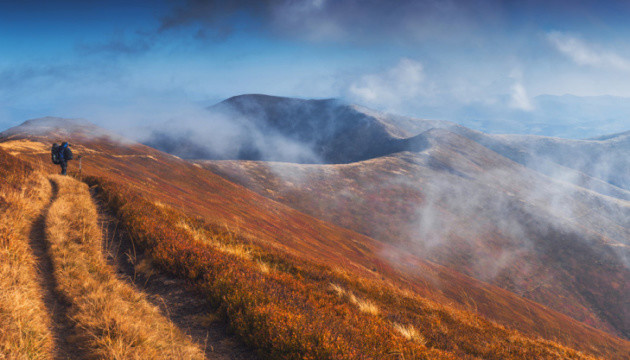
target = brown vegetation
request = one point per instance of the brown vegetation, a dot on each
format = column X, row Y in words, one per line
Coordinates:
column 113, row 320
column 467, row 208
column 292, row 313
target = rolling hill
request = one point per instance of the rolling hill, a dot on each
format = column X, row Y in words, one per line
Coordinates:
column 367, row 296
column 262, row 127
column 452, row 195
column 269, row 128
column 466, row 207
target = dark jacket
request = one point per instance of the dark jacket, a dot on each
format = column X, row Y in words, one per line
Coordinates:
column 65, row 153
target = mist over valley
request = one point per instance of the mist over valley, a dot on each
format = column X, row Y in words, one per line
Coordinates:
column 529, row 213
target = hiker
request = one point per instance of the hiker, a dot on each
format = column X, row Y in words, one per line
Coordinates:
column 61, row 154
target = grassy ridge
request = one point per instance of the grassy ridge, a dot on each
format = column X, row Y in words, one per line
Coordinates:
column 277, row 232
column 198, row 192
column 272, row 311
column 113, row 320
column 292, row 309
column 24, row 330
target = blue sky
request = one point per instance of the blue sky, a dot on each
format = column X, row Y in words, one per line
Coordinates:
column 122, row 62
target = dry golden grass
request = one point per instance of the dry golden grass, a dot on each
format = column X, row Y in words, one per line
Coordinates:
column 264, row 267
column 364, row 305
column 240, row 250
column 408, row 332
column 15, row 147
column 114, row 320
column 337, row 289
column 24, row 322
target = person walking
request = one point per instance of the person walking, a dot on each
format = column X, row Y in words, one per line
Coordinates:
column 61, row 154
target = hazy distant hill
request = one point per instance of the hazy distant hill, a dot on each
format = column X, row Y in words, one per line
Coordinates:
column 595, row 164
column 578, row 117
column 261, row 127
column 565, row 116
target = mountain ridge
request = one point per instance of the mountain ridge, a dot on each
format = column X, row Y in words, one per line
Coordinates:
column 491, row 205
column 272, row 128
column 169, row 180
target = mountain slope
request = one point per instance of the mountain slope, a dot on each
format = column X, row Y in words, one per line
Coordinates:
column 59, row 299
column 468, row 208
column 161, row 180
column 261, row 127
column 600, row 165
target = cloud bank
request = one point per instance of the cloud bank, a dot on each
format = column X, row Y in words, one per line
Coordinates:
column 326, row 20
column 586, row 54
column 390, row 88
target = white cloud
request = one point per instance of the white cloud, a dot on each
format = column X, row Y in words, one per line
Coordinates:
column 519, row 98
column 390, row 88
column 586, row 54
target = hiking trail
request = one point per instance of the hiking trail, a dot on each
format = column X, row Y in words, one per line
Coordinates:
column 56, row 304
column 185, row 307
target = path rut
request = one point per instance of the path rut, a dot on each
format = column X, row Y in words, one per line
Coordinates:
column 56, row 304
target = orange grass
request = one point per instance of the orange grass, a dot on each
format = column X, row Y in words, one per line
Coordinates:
column 24, row 322
column 114, row 321
column 292, row 312
column 381, row 198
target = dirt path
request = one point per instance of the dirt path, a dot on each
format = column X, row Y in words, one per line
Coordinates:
column 56, row 304
column 177, row 300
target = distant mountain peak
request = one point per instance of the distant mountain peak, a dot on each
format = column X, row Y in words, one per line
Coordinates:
column 273, row 128
column 617, row 136
column 61, row 128
column 54, row 122
column 264, row 99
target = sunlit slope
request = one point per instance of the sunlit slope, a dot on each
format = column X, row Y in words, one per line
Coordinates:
column 466, row 207
column 59, row 298
column 164, row 179
column 112, row 320
column 25, row 331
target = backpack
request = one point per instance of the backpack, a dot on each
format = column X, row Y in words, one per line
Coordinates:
column 67, row 153
column 54, row 152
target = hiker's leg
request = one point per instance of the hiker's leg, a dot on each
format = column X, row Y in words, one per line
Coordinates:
column 64, row 167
